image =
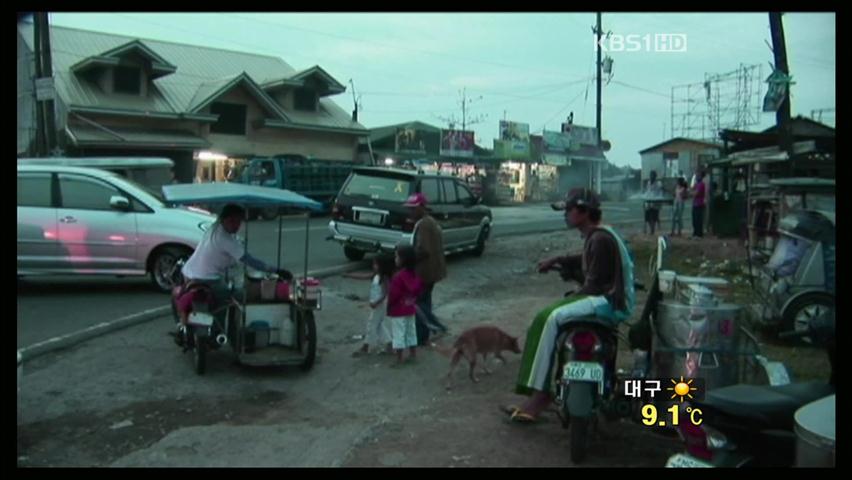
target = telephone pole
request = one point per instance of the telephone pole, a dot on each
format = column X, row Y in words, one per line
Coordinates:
column 46, row 132
column 598, row 31
column 779, row 49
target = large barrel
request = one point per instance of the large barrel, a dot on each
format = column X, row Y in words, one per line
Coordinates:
column 701, row 342
column 815, row 425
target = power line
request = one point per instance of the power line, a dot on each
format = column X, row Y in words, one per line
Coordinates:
column 394, row 46
column 641, row 89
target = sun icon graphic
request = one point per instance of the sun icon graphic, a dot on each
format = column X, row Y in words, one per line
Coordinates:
column 681, row 388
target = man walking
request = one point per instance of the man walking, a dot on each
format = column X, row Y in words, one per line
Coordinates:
column 431, row 268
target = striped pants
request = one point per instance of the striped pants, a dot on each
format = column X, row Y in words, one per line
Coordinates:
column 538, row 357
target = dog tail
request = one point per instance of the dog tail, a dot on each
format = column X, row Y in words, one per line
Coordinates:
column 445, row 351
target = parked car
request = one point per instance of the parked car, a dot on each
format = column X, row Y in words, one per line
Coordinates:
column 86, row 221
column 368, row 214
column 151, row 172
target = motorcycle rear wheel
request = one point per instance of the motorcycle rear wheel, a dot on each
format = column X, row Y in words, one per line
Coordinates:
column 200, row 354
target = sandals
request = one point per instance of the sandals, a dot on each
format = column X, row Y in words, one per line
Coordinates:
column 516, row 415
column 522, row 418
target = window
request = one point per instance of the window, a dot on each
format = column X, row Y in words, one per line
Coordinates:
column 127, row 80
column 389, row 189
column 465, row 197
column 671, row 162
column 305, row 99
column 450, row 191
column 429, row 188
column 34, row 190
column 85, row 193
column 232, row 118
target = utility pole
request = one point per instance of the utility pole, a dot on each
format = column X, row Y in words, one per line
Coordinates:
column 39, row 140
column 598, row 31
column 44, row 69
column 779, row 49
column 464, row 103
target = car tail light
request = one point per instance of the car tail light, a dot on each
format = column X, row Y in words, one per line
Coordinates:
column 584, row 344
column 408, row 225
column 336, row 212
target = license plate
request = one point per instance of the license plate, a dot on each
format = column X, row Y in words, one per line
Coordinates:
column 685, row 461
column 370, row 217
column 201, row 319
column 583, row 372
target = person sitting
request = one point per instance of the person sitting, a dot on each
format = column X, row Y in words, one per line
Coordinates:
column 219, row 250
column 605, row 270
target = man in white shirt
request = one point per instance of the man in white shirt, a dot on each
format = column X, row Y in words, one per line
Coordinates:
column 218, row 251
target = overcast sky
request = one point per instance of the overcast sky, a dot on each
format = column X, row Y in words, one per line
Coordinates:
column 530, row 68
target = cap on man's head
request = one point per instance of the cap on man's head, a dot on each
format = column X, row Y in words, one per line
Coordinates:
column 578, row 197
column 416, row 200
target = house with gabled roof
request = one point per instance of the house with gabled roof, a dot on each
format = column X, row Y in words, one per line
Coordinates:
column 119, row 95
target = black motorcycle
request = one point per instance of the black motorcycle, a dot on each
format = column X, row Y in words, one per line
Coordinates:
column 753, row 425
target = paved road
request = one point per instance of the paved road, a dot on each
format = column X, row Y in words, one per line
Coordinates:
column 48, row 307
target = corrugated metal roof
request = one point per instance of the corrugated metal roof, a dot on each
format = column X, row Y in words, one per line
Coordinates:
column 199, row 71
column 85, row 135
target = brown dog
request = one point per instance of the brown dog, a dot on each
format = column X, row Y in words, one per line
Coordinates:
column 480, row 340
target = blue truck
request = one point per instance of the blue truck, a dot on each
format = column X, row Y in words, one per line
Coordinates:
column 317, row 179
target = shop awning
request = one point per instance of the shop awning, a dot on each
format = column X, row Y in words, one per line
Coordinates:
column 91, row 136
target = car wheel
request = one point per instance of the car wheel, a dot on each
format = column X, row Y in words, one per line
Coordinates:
column 799, row 313
column 353, row 253
column 480, row 242
column 164, row 274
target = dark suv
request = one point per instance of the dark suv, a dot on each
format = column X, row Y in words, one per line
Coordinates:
column 368, row 214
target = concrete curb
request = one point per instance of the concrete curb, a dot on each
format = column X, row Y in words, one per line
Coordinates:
column 75, row 338
column 72, row 339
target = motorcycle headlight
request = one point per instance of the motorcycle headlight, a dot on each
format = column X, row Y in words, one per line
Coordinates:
column 204, row 226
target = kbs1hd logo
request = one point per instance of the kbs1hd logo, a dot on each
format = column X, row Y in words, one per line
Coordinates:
column 657, row 43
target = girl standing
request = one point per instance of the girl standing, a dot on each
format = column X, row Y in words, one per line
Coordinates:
column 377, row 331
column 681, row 191
column 405, row 287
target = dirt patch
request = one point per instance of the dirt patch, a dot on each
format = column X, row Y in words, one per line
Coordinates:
column 144, row 392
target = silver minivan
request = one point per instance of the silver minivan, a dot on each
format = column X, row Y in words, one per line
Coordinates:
column 87, row 221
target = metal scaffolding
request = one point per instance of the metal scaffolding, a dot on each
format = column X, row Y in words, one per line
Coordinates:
column 726, row 100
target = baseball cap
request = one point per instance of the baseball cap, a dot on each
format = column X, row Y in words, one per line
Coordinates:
column 577, row 197
column 416, row 200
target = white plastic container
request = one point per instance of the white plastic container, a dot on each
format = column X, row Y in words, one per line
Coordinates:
column 667, row 280
column 275, row 314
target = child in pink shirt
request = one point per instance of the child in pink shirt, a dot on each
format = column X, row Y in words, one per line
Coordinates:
column 405, row 287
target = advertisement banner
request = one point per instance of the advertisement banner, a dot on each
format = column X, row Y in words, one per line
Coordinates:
column 515, row 139
column 556, row 141
column 456, row 143
column 580, row 135
column 511, row 150
column 409, row 140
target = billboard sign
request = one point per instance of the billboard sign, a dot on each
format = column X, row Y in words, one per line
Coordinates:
column 556, row 141
column 409, row 140
column 514, row 139
column 580, row 135
column 456, row 143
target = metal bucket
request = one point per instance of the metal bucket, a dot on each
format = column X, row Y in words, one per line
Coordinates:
column 704, row 342
column 815, row 432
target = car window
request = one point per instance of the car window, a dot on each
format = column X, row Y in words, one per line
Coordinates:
column 378, row 187
column 450, row 191
column 85, row 193
column 34, row 189
column 429, row 189
column 465, row 196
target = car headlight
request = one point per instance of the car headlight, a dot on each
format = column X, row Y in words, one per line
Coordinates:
column 204, row 226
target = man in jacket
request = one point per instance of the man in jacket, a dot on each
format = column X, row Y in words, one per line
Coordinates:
column 431, row 268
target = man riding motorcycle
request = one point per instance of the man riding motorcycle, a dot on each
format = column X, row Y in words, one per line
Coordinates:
column 605, row 270
column 218, row 251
